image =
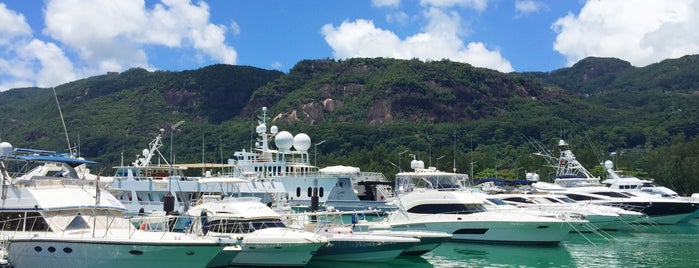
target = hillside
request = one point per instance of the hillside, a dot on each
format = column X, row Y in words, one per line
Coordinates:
column 369, row 110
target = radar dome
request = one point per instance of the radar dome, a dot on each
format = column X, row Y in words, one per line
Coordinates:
column 5, row 148
column 262, row 128
column 284, row 140
column 417, row 164
column 145, row 152
column 302, row 142
column 608, row 164
column 274, row 129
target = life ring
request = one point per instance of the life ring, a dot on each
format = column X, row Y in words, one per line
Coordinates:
column 144, row 226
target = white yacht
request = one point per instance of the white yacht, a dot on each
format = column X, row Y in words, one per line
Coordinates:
column 145, row 185
column 266, row 241
column 338, row 187
column 352, row 245
column 429, row 199
column 599, row 217
column 575, row 181
column 59, row 220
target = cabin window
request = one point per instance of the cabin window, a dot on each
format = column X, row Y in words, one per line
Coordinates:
column 310, row 191
column 15, row 221
column 298, row 191
column 447, row 208
column 320, row 192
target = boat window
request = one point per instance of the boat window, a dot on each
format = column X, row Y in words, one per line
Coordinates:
column 310, row 191
column 77, row 223
column 612, row 194
column 447, row 208
column 16, row 221
column 298, row 191
column 320, row 192
column 241, row 226
column 578, row 197
column 497, row 201
column 518, row 200
column 566, row 199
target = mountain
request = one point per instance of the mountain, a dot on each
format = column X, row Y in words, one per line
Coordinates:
column 369, row 110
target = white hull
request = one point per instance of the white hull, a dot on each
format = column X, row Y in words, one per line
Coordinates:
column 476, row 228
column 276, row 254
column 363, row 248
column 63, row 252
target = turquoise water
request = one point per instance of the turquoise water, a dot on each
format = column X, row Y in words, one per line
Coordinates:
column 655, row 246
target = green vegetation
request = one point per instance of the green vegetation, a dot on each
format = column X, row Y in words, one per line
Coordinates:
column 448, row 114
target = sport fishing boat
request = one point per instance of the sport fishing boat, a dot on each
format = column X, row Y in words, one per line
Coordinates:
column 266, row 241
column 429, row 199
column 575, row 181
column 338, row 187
column 60, row 220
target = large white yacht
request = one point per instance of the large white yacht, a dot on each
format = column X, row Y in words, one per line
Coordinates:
column 429, row 199
column 338, row 187
column 266, row 241
column 59, row 220
column 143, row 185
column 575, row 181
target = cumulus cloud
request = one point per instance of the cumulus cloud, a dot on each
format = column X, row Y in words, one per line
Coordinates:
column 641, row 32
column 478, row 5
column 440, row 39
column 525, row 7
column 104, row 36
column 385, row 3
column 26, row 61
column 115, row 35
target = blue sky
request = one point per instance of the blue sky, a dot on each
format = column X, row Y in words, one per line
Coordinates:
column 47, row 43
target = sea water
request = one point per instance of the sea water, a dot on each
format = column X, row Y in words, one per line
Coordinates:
column 650, row 246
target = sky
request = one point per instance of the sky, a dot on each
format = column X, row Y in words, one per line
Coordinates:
column 51, row 42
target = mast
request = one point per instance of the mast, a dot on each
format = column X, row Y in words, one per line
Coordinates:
column 65, row 130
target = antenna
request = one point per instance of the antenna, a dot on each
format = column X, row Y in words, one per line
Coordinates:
column 65, row 130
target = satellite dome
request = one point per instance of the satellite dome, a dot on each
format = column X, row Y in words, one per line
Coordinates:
column 145, row 152
column 273, row 129
column 284, row 140
column 608, row 164
column 302, row 142
column 5, row 148
column 417, row 164
column 262, row 128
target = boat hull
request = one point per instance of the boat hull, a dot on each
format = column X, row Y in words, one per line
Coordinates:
column 56, row 252
column 276, row 254
column 513, row 232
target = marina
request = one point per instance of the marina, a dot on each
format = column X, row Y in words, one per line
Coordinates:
column 269, row 207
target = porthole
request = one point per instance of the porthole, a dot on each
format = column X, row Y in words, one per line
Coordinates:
column 68, row 250
column 37, row 249
column 52, row 249
column 320, row 192
column 135, row 252
column 298, row 191
column 310, row 191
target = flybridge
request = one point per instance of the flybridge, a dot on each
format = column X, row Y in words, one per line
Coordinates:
column 25, row 154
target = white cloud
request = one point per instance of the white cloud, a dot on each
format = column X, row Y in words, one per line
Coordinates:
column 478, row 5
column 12, row 25
column 362, row 39
column 105, row 36
column 385, row 3
column 113, row 35
column 641, row 32
column 525, row 7
column 440, row 39
column 26, row 61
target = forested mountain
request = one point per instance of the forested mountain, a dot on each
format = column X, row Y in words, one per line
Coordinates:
column 369, row 110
